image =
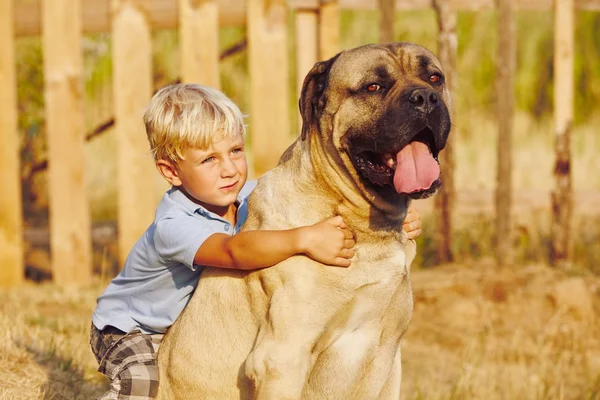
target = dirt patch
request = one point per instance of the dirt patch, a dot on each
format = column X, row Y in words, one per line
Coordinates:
column 484, row 333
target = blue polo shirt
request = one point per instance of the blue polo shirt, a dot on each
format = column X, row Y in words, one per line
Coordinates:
column 159, row 275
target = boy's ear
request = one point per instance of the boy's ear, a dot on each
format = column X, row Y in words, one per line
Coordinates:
column 169, row 172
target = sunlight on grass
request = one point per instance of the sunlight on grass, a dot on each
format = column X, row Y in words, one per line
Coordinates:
column 45, row 351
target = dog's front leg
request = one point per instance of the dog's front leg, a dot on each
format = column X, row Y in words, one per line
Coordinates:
column 280, row 360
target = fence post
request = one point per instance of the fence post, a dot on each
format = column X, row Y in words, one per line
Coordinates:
column 444, row 200
column 306, row 47
column 505, row 79
column 269, row 81
column 562, row 196
column 329, row 29
column 386, row 20
column 199, row 42
column 132, row 89
column 70, row 227
column 11, row 218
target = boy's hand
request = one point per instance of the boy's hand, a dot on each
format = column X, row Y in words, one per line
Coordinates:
column 412, row 223
column 329, row 242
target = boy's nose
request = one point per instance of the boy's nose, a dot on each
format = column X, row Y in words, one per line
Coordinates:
column 228, row 168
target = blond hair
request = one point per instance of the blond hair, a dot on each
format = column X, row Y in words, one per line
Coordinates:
column 184, row 115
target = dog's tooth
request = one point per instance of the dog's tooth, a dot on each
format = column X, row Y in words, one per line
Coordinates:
column 388, row 160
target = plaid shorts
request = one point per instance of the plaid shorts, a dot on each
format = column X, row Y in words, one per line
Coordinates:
column 129, row 361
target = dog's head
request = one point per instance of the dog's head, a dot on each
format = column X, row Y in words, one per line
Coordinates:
column 385, row 108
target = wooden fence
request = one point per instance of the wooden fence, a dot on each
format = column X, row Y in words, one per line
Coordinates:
column 61, row 24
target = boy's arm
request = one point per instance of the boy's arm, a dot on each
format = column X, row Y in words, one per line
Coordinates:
column 329, row 242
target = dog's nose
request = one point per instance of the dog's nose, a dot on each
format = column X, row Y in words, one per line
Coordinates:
column 425, row 100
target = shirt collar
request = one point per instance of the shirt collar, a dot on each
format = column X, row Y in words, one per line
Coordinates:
column 178, row 196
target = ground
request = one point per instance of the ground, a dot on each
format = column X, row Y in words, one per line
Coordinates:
column 478, row 332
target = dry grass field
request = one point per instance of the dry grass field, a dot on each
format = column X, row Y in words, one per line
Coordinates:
column 477, row 333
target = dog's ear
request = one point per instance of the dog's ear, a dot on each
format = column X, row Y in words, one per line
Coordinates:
column 311, row 98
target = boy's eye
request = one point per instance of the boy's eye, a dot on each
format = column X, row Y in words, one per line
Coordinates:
column 207, row 160
column 237, row 150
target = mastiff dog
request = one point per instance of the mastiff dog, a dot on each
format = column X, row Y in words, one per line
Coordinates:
column 374, row 121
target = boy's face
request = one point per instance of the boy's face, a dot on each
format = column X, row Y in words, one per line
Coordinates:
column 215, row 176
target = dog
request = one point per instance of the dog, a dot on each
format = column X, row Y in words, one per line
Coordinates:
column 374, row 121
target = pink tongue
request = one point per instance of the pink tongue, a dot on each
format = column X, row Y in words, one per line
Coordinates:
column 416, row 168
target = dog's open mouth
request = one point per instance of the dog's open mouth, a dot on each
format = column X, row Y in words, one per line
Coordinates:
column 412, row 170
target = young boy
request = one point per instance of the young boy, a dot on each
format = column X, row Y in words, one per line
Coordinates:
column 196, row 135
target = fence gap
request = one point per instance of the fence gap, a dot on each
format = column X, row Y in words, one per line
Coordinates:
column 11, row 218
column 132, row 89
column 70, row 226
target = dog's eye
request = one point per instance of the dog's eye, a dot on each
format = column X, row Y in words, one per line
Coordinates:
column 373, row 87
column 435, row 78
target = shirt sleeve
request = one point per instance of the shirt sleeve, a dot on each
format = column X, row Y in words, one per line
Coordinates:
column 178, row 238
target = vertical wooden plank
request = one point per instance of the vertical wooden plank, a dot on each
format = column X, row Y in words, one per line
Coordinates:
column 306, row 47
column 386, row 20
column 269, row 81
column 505, row 84
column 70, row 235
column 132, row 88
column 444, row 200
column 562, row 195
column 11, row 223
column 329, row 29
column 199, row 42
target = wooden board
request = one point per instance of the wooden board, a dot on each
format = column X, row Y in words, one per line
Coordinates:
column 199, row 44
column 70, row 236
column 163, row 14
column 11, row 225
column 562, row 195
column 269, row 94
column 307, row 46
column 329, row 30
column 132, row 88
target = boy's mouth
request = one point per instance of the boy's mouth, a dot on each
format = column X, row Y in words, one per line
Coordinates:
column 233, row 185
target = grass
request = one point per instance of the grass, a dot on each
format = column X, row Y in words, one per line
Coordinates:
column 477, row 332
column 44, row 352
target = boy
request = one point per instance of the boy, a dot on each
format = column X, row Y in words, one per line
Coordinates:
column 196, row 135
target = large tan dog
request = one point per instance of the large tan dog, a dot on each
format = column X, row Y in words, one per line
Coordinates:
column 374, row 121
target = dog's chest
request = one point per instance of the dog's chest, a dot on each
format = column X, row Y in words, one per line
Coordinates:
column 380, row 288
column 370, row 324
column 382, row 264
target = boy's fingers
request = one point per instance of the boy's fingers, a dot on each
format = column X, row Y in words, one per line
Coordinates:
column 414, row 234
column 410, row 217
column 348, row 234
column 348, row 253
column 349, row 243
column 409, row 226
column 337, row 220
column 341, row 262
